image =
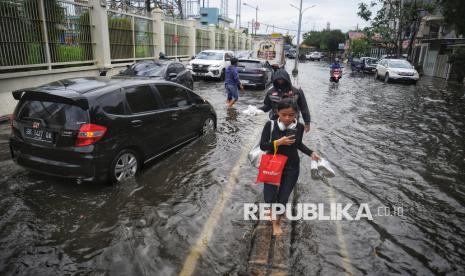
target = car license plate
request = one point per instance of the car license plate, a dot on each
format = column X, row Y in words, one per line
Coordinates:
column 244, row 81
column 38, row 134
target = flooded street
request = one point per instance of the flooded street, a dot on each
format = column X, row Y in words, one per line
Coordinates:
column 392, row 145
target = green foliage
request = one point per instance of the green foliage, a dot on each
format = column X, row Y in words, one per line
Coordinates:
column 458, row 57
column 288, row 39
column 142, row 51
column 70, row 53
column 313, row 38
column 454, row 14
column 393, row 17
column 360, row 47
column 325, row 40
column 35, row 54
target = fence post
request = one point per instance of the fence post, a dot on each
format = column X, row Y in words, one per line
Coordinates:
column 243, row 37
column 100, row 34
column 43, row 21
column 226, row 39
column 159, row 30
column 212, row 33
column 192, row 23
column 236, row 40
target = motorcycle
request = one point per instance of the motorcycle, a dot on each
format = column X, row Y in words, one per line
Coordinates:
column 336, row 75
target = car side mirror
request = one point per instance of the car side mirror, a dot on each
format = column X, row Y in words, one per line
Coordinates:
column 193, row 57
column 172, row 75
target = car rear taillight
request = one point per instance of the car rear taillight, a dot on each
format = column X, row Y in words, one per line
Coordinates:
column 89, row 134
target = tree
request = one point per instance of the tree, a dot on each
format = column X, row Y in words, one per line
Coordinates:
column 395, row 19
column 288, row 39
column 454, row 14
column 360, row 47
column 331, row 40
column 313, row 38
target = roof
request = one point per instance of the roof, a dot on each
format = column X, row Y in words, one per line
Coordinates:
column 90, row 84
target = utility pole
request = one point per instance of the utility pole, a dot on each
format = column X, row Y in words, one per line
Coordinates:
column 295, row 71
column 256, row 16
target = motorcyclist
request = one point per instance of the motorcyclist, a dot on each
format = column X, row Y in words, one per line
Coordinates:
column 282, row 88
column 335, row 65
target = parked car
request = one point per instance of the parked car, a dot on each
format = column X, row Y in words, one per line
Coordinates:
column 210, row 63
column 396, row 69
column 355, row 64
column 314, row 56
column 368, row 64
column 292, row 53
column 99, row 129
column 254, row 72
column 243, row 54
column 168, row 70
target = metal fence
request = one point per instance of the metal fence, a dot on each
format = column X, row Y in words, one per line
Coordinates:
column 176, row 39
column 53, row 34
column 131, row 36
column 219, row 40
column 232, row 40
column 44, row 33
column 202, row 40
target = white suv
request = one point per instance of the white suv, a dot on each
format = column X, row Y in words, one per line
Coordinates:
column 210, row 63
column 396, row 69
column 314, row 56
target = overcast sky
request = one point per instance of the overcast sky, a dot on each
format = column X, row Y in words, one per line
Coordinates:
column 342, row 14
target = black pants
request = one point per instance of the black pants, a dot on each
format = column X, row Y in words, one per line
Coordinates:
column 275, row 194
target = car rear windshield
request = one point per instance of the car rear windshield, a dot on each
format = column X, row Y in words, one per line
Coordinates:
column 145, row 69
column 53, row 114
column 371, row 61
column 400, row 64
column 249, row 64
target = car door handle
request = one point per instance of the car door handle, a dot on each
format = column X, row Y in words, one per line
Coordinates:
column 136, row 123
column 175, row 116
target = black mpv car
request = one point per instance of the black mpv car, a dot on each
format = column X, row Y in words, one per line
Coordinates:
column 159, row 69
column 97, row 129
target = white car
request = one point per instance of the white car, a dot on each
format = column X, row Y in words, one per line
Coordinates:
column 210, row 63
column 396, row 69
column 314, row 56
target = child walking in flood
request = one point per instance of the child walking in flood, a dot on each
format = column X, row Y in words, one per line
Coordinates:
column 287, row 134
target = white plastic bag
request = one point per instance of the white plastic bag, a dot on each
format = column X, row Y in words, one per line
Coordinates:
column 255, row 155
column 325, row 168
column 252, row 111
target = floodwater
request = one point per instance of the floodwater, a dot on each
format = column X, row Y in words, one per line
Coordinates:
column 391, row 145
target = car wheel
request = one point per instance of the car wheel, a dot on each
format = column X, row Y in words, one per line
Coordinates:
column 124, row 166
column 208, row 126
column 386, row 78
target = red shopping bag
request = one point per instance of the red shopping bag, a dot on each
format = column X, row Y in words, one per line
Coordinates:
column 271, row 168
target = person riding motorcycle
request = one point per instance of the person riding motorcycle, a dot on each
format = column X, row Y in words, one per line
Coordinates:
column 335, row 65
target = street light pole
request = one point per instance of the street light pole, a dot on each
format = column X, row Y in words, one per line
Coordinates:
column 254, row 27
column 296, row 61
column 295, row 71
